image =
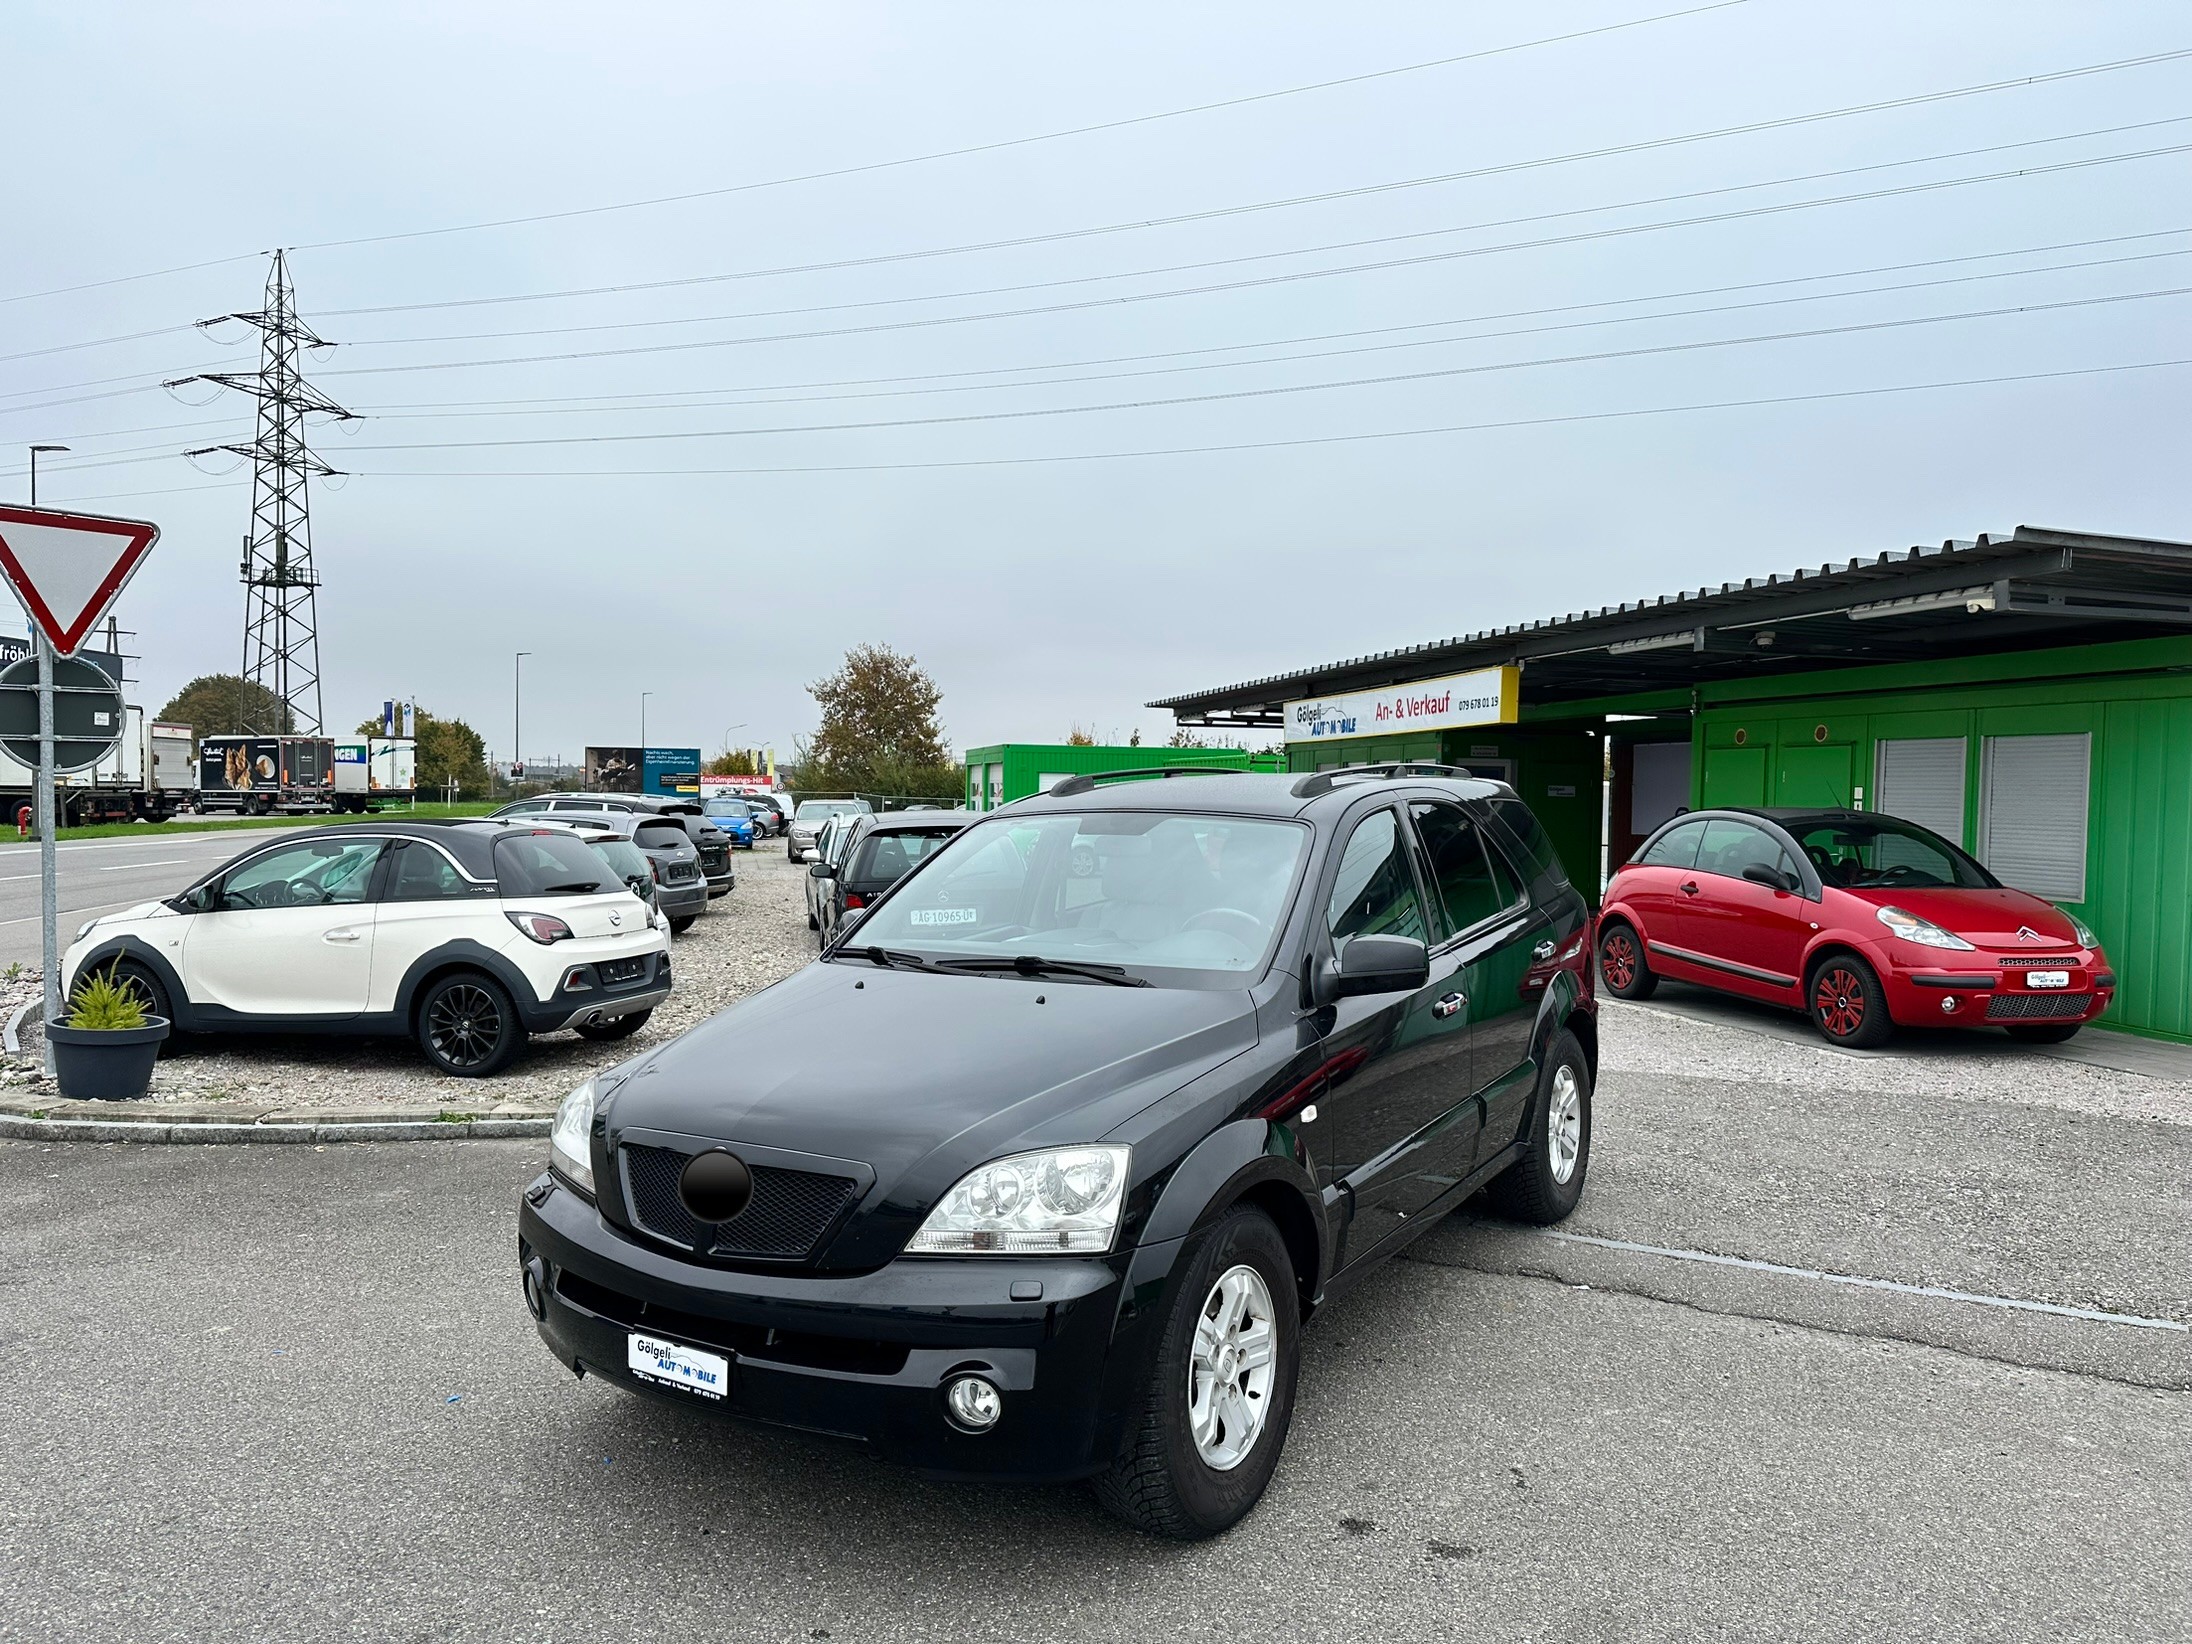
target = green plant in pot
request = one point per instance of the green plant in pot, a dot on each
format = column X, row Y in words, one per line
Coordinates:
column 104, row 1047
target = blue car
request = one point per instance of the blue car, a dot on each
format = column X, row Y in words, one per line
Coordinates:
column 732, row 817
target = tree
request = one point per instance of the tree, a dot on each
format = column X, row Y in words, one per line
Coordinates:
column 223, row 704
column 1189, row 739
column 878, row 732
column 1078, row 738
column 448, row 748
column 732, row 762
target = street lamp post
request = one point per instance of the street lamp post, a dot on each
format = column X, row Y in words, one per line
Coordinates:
column 42, row 811
column 517, row 716
column 643, row 696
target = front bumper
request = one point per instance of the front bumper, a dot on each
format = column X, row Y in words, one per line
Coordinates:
column 866, row 1356
column 1937, row 992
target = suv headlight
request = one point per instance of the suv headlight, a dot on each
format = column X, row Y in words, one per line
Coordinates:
column 570, row 1142
column 1063, row 1199
column 1924, row 932
column 2086, row 938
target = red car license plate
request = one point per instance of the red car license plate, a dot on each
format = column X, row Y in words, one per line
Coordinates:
column 2047, row 978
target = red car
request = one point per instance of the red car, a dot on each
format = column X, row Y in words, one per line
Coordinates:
column 1862, row 920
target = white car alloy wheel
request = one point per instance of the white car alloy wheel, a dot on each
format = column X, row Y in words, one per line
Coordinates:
column 1564, row 1123
column 1229, row 1368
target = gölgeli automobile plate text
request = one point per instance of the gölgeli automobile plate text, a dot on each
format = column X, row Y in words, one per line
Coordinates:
column 673, row 1363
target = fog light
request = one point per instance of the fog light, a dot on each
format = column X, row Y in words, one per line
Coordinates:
column 1949, row 1004
column 531, row 1280
column 974, row 1404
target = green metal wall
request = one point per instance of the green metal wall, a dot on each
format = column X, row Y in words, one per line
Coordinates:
column 1024, row 764
column 1812, row 740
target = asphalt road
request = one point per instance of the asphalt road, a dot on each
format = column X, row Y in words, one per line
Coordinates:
column 288, row 1392
column 104, row 875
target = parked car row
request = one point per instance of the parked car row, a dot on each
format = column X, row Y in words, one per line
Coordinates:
column 690, row 853
column 863, row 857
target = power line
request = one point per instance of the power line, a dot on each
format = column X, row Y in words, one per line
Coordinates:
column 1288, row 388
column 1290, row 251
column 584, row 402
column 537, row 410
column 1283, row 444
column 1020, row 142
column 1270, row 279
column 1537, row 163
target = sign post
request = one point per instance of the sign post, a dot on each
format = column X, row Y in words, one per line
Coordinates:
column 67, row 569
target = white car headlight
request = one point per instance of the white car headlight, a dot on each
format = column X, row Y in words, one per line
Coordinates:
column 570, row 1143
column 1032, row 1204
column 1924, row 932
column 2086, row 938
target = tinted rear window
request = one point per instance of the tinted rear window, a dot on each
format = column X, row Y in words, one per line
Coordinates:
column 658, row 836
column 551, row 864
column 624, row 859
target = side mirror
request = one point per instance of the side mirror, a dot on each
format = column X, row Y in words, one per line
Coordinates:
column 852, row 917
column 817, row 868
column 1773, row 878
column 1377, row 964
column 196, row 900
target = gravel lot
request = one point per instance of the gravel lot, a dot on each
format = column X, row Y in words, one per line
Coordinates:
column 744, row 942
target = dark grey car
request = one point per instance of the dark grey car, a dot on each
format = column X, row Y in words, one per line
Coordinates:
column 681, row 890
column 880, row 851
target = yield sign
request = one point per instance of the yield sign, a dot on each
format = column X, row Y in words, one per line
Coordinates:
column 68, row 568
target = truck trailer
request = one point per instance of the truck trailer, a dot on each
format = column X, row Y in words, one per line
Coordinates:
column 374, row 772
column 255, row 775
column 146, row 778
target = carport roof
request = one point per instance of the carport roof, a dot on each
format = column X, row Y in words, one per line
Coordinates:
column 2019, row 590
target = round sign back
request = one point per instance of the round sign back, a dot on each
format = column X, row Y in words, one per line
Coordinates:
column 87, row 713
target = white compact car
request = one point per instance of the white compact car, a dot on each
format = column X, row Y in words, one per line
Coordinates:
column 468, row 935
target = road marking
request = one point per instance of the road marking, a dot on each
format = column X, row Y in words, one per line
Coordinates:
column 2136, row 1321
column 171, row 841
column 67, row 913
column 132, row 867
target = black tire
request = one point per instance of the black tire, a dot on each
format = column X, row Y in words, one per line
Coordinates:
column 1845, row 1002
column 617, row 1027
column 1622, row 967
column 2044, row 1033
column 683, row 923
column 1161, row 1484
column 1533, row 1188
column 150, row 990
column 813, row 923
column 468, row 1026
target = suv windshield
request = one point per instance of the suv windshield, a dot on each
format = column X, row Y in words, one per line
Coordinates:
column 1883, row 853
column 725, row 807
column 1158, row 891
column 551, row 864
column 820, row 810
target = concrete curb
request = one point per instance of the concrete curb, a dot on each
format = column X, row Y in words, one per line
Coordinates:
column 11, row 1037
column 37, row 1126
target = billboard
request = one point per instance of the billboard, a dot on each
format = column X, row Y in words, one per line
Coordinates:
column 613, row 770
column 1490, row 696
column 670, row 771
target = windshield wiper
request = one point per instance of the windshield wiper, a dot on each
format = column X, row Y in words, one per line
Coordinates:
column 893, row 959
column 575, row 888
column 1029, row 964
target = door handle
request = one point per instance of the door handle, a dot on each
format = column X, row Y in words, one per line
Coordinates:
column 1542, row 952
column 340, row 936
column 1448, row 1005
column 1689, row 887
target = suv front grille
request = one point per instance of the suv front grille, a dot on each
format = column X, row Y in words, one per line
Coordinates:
column 2037, row 1007
column 787, row 1218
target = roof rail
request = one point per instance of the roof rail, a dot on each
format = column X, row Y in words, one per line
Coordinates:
column 1086, row 781
column 1317, row 782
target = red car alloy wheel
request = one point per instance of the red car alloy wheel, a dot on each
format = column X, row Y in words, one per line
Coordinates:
column 1618, row 959
column 1839, row 1001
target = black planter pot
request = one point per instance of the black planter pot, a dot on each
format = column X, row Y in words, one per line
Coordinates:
column 96, row 1065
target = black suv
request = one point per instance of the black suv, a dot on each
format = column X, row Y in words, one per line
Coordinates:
column 1038, row 1174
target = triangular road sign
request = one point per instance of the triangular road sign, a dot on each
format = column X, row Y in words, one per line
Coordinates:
column 68, row 568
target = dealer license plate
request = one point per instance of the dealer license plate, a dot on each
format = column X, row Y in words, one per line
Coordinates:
column 944, row 916
column 2047, row 978
column 676, row 1365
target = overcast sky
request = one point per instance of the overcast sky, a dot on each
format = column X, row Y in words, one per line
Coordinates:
column 908, row 488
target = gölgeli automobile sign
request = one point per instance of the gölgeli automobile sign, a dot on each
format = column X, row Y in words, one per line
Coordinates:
column 1488, row 696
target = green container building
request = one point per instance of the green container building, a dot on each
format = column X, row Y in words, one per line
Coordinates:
column 1005, row 771
column 2027, row 695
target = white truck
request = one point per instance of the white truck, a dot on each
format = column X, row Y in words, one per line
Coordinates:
column 376, row 771
column 148, row 776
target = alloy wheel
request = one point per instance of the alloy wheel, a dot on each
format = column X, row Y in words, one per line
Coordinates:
column 1838, row 998
column 1564, row 1123
column 1617, row 959
column 1229, row 1368
column 464, row 1025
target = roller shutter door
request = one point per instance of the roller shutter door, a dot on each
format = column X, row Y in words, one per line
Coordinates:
column 1921, row 780
column 2033, row 813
